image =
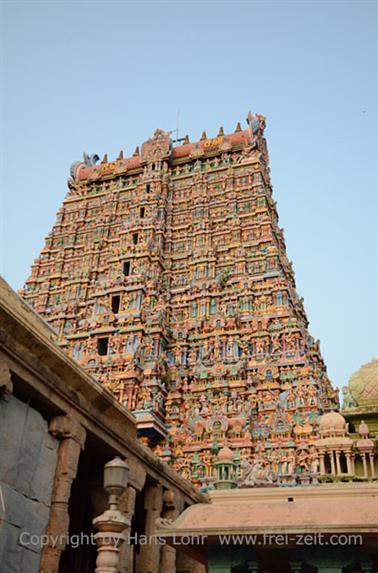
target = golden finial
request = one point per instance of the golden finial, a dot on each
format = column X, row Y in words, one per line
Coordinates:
column 105, row 158
column 136, row 152
column 221, row 131
column 186, row 139
column 120, row 156
column 203, row 136
column 238, row 127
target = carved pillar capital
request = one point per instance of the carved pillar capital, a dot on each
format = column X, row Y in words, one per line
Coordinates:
column 173, row 502
column 6, row 384
column 67, row 427
column 153, row 499
column 138, row 473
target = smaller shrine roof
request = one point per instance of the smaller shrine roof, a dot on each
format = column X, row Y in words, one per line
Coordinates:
column 332, row 420
column 225, row 455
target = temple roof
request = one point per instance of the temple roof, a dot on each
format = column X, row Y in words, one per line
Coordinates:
column 160, row 146
column 363, row 384
column 322, row 508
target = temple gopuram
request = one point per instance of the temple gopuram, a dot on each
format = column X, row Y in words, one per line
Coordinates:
column 166, row 278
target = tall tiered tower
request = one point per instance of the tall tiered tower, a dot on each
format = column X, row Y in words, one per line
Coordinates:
column 166, row 277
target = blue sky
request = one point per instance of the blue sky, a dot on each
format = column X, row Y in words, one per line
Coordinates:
column 101, row 76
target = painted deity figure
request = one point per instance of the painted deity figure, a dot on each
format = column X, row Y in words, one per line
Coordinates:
column 312, row 395
column 276, row 345
column 259, row 347
column 302, row 460
column 287, row 462
column 348, row 400
column 144, row 398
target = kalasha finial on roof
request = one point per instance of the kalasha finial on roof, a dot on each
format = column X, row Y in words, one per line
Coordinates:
column 105, row 158
column 203, row 136
column 221, row 131
column 136, row 152
column 238, row 127
column 120, row 156
column 186, row 139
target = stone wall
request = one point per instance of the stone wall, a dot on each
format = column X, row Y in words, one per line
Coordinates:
column 28, row 456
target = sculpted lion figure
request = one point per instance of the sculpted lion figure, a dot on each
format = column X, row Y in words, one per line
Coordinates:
column 255, row 474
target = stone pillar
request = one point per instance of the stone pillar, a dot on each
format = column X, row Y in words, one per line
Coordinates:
column 72, row 436
column 333, row 469
column 168, row 559
column 353, row 461
column 149, row 556
column 322, row 466
column 127, row 505
column 338, row 467
column 364, row 463
column 168, row 553
column 372, row 468
column 349, row 462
